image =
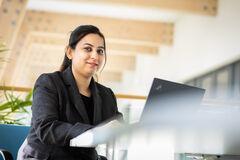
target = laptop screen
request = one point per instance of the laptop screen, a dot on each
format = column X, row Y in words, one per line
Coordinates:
column 168, row 98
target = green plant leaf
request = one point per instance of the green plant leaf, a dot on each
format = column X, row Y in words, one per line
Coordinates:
column 6, row 105
column 29, row 96
column 14, row 105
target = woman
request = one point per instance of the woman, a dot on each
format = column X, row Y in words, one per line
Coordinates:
column 69, row 102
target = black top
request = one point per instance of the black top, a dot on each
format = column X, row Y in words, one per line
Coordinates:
column 88, row 102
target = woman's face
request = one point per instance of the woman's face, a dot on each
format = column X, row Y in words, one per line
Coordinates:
column 88, row 56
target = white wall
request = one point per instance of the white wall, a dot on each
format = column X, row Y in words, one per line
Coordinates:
column 201, row 43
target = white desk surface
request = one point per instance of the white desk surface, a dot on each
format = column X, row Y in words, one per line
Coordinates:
column 207, row 130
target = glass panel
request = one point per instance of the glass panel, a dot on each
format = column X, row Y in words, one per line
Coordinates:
column 131, row 109
column 199, row 82
column 207, row 83
column 236, row 85
column 223, row 83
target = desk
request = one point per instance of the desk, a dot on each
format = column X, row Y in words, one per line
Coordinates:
column 206, row 130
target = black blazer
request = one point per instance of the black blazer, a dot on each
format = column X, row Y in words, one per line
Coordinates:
column 59, row 114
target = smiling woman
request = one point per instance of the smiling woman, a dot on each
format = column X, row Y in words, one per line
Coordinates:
column 69, row 102
column 88, row 55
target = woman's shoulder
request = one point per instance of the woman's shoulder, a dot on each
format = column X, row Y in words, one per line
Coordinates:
column 103, row 88
column 48, row 78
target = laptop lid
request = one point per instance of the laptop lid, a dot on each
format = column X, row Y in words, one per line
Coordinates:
column 168, row 98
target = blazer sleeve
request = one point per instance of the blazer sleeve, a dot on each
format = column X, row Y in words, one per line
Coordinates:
column 45, row 115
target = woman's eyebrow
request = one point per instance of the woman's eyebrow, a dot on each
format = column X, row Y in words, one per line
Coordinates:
column 89, row 44
column 101, row 47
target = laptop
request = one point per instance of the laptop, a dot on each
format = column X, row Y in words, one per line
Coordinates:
column 169, row 99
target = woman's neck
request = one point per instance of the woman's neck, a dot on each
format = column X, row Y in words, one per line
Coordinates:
column 83, row 83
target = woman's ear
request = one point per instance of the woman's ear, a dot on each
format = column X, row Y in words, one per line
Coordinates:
column 69, row 52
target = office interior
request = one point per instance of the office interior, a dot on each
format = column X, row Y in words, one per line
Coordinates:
column 194, row 42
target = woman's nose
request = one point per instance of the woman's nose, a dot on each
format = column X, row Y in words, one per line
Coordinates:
column 94, row 55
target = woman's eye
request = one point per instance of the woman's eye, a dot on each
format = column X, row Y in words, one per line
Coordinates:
column 100, row 51
column 88, row 49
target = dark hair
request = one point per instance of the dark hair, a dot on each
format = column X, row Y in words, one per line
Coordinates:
column 75, row 37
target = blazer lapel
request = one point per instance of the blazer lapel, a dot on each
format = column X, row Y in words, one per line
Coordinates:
column 74, row 94
column 97, row 100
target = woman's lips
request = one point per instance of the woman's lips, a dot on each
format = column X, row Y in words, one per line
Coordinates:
column 92, row 64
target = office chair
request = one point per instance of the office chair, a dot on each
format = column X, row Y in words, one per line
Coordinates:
column 11, row 138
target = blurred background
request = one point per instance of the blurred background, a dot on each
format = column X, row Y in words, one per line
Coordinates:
column 188, row 41
column 196, row 42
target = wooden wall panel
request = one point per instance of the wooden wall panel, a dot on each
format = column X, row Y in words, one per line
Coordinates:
column 120, row 63
column 205, row 7
column 124, row 30
column 110, row 76
column 47, row 58
column 11, row 18
column 131, row 49
column 112, row 45
column 37, row 58
column 155, row 32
